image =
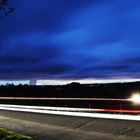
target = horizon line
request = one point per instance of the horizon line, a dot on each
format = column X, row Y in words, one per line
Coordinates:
column 64, row 82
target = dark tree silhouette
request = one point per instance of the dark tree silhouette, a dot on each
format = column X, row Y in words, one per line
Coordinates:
column 5, row 8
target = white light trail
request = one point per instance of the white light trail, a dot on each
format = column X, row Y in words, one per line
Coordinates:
column 50, row 108
column 67, row 112
column 72, row 99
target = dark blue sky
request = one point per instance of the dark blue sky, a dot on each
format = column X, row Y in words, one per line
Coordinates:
column 71, row 39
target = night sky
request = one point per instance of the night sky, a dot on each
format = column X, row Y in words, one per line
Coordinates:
column 71, row 39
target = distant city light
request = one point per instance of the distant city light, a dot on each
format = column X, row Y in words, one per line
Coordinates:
column 136, row 98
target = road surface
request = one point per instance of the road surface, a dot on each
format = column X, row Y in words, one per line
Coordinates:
column 59, row 127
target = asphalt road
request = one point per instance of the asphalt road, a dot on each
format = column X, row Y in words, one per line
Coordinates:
column 57, row 127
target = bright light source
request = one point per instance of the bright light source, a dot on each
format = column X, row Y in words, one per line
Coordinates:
column 136, row 98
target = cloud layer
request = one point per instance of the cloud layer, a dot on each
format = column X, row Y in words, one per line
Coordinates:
column 73, row 39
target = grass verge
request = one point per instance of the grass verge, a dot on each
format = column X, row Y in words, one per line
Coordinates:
column 10, row 135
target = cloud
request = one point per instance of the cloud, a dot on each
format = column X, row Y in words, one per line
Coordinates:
column 58, row 39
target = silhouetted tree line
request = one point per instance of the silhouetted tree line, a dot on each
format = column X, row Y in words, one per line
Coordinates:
column 5, row 8
column 113, row 90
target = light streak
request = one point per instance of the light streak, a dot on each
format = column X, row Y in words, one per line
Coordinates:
column 70, row 109
column 72, row 99
column 68, row 112
column 50, row 108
